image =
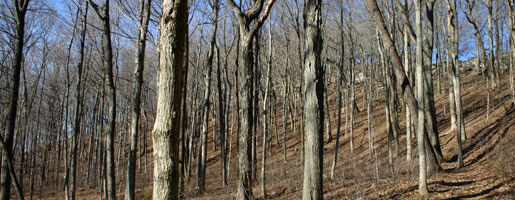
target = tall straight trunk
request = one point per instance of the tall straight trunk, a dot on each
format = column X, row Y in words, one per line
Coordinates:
column 492, row 71
column 339, row 88
column 266, row 114
column 285, row 123
column 201, row 181
column 430, row 109
column 170, row 80
column 103, row 13
column 78, row 108
column 184, row 117
column 511, row 4
column 222, row 117
column 247, row 33
column 498, row 41
column 422, row 182
column 453, row 50
column 409, row 127
column 144, row 18
column 313, row 93
column 7, row 172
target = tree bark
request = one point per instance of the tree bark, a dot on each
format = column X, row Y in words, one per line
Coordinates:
column 78, row 107
column 143, row 21
column 422, row 182
column 7, row 172
column 206, row 102
column 103, row 13
column 453, row 51
column 170, row 80
column 246, row 33
column 312, row 187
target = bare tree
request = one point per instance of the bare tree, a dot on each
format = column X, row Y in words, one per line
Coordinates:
column 407, row 92
column 78, row 108
column 143, row 21
column 171, row 79
column 201, row 181
column 511, row 4
column 245, row 18
column 453, row 51
column 103, row 13
column 20, row 7
column 313, row 93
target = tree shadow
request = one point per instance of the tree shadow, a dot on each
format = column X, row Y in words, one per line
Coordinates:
column 483, row 192
column 453, row 184
column 486, row 134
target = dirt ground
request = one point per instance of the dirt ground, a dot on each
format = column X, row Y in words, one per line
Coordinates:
column 489, row 157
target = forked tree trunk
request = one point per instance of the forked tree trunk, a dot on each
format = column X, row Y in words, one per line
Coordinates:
column 247, row 33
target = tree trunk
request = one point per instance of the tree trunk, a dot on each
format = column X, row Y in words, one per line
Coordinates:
column 206, row 103
column 312, row 187
column 492, row 71
column 7, row 172
column 511, row 4
column 453, row 50
column 143, row 21
column 171, row 79
column 247, row 34
column 78, row 107
column 103, row 13
column 422, row 182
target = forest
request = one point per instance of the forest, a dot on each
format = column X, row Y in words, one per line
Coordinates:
column 261, row 99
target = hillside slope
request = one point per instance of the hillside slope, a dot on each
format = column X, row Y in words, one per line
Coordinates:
column 489, row 156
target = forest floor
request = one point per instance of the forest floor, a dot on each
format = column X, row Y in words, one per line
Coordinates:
column 489, row 157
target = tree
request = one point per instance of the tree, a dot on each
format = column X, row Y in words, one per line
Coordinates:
column 78, row 107
column 143, row 21
column 407, row 92
column 419, row 73
column 313, row 93
column 103, row 13
column 511, row 4
column 201, row 181
column 452, row 23
column 20, row 7
column 167, row 124
column 245, row 18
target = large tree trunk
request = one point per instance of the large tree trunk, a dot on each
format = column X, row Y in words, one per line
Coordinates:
column 170, row 80
column 7, row 172
column 143, row 21
column 312, row 187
